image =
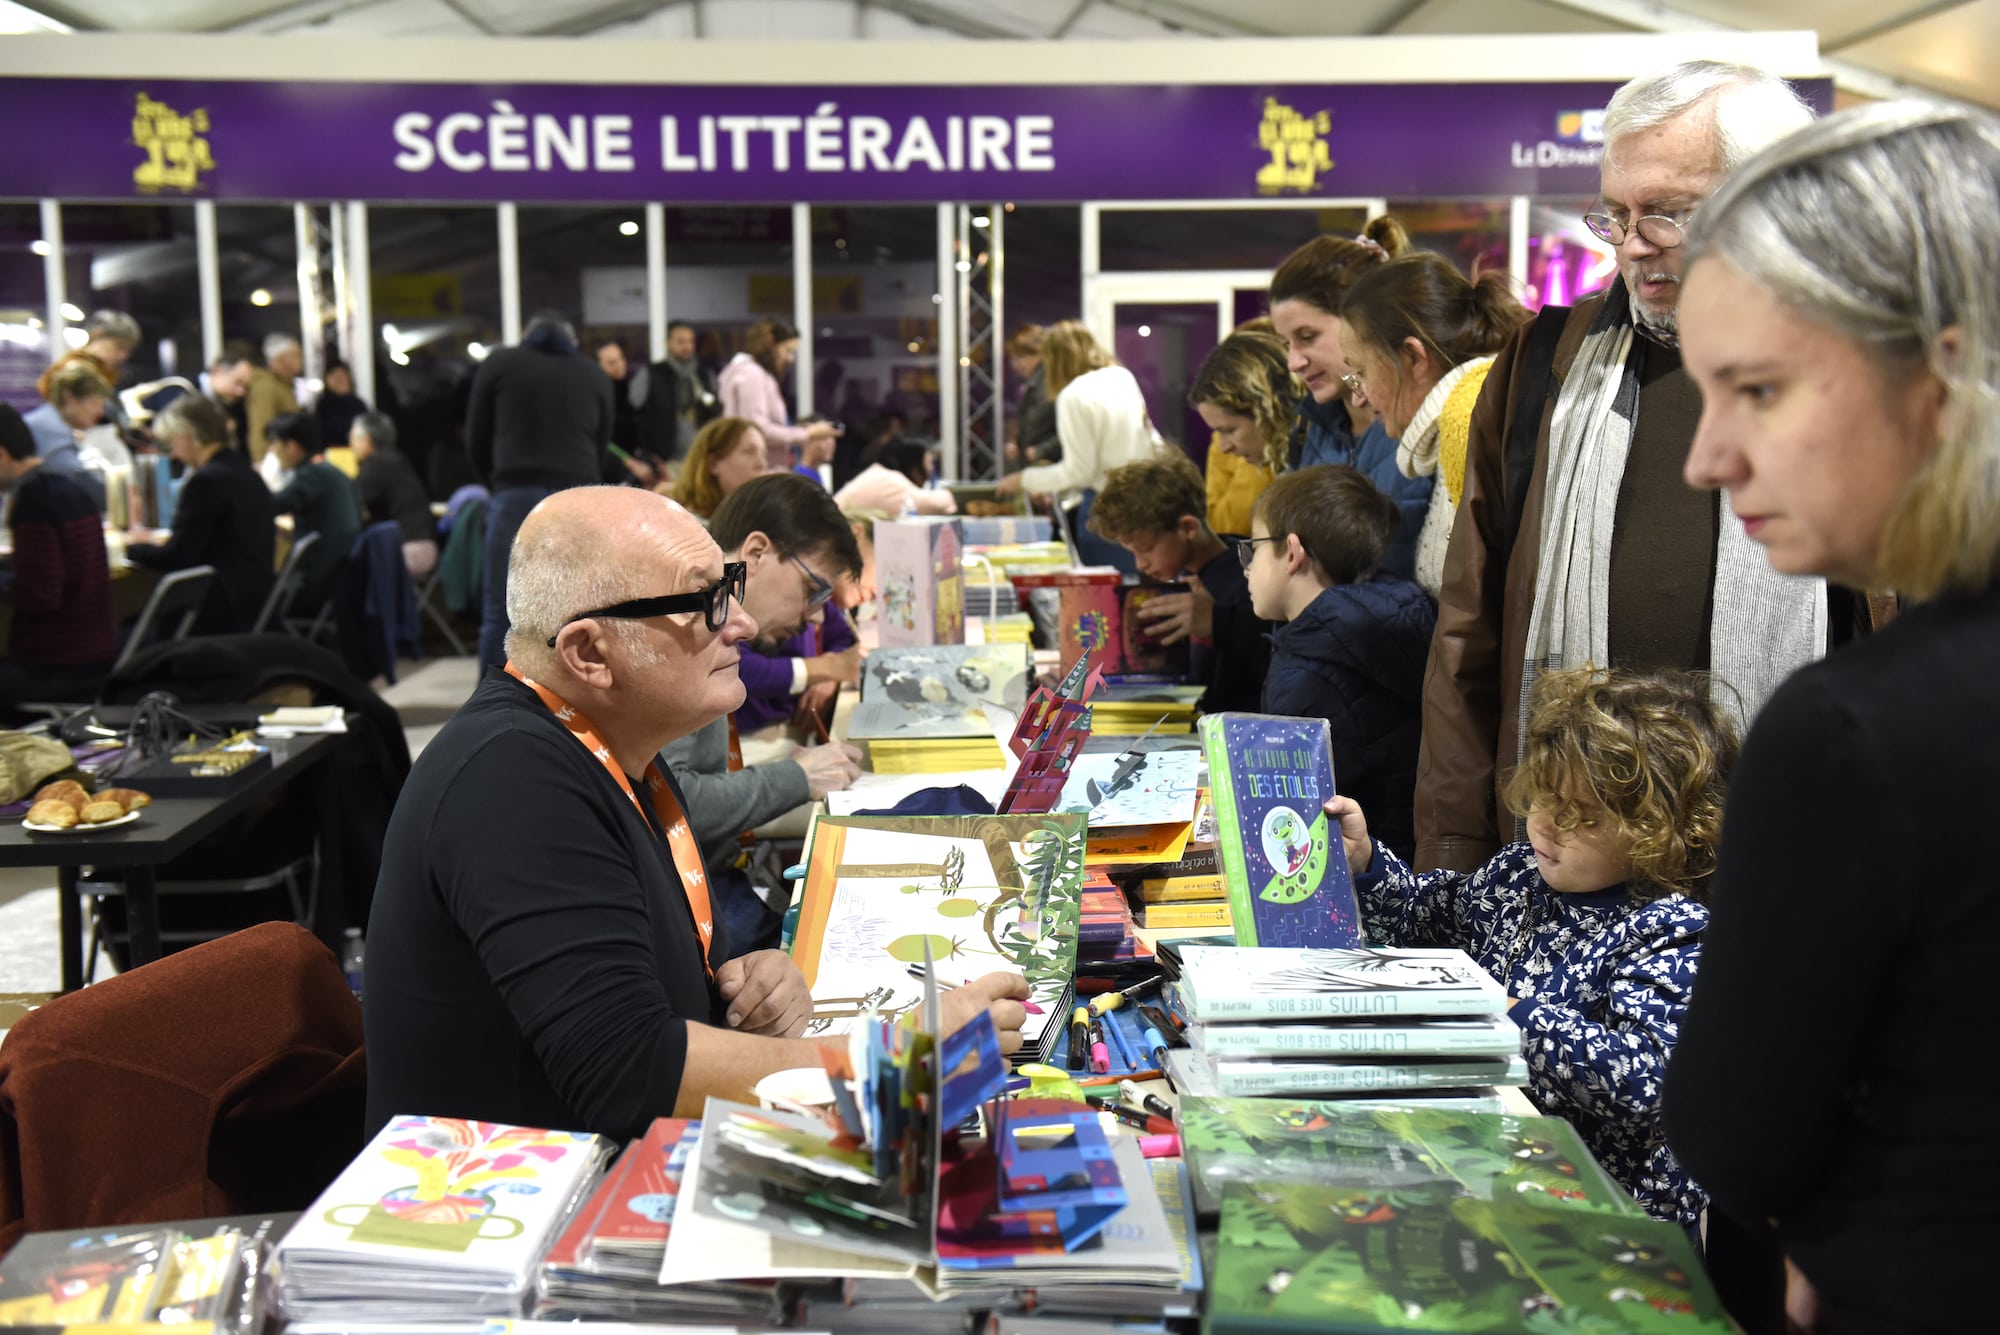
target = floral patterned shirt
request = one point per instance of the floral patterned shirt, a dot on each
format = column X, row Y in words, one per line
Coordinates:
column 1602, row 980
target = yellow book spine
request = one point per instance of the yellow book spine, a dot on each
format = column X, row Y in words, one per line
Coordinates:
column 1186, row 915
column 1181, row 889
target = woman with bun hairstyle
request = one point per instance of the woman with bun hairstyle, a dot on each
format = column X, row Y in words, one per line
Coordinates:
column 1420, row 339
column 749, row 388
column 1102, row 422
column 1335, row 425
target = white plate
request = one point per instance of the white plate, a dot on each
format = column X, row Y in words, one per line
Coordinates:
column 125, row 819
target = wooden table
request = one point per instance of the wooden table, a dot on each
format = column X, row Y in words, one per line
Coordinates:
column 164, row 830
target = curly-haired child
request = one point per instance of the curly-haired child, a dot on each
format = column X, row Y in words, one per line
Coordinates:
column 1594, row 922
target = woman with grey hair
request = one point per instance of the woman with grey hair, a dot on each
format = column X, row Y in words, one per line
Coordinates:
column 1842, row 320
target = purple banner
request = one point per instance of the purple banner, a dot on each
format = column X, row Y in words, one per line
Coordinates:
column 168, row 140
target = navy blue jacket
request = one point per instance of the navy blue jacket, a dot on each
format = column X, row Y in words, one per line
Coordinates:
column 1326, row 436
column 1356, row 658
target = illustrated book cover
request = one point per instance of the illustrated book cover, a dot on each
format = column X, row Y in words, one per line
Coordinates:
column 917, row 569
column 1430, row 1257
column 1358, row 982
column 979, row 892
column 1289, row 884
column 1335, row 1143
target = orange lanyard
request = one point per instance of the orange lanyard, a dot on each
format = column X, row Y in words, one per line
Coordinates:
column 680, row 839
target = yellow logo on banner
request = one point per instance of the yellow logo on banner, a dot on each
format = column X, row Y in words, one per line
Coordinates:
column 176, row 147
column 1298, row 148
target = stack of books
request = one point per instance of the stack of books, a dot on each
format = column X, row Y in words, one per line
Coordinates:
column 1353, row 1020
column 1134, row 707
column 1340, row 1217
column 606, row 1265
column 1104, row 931
column 1187, row 897
column 438, row 1218
column 923, row 709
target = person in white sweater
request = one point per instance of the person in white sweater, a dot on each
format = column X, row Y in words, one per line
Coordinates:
column 1102, row 422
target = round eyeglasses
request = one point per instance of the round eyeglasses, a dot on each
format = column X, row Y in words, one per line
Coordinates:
column 1665, row 230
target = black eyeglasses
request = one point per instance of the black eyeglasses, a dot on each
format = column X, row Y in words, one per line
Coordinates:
column 818, row 591
column 1246, row 548
column 712, row 601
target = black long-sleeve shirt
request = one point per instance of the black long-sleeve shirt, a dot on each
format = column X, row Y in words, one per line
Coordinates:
column 540, row 418
column 1835, row 1070
column 531, row 957
column 390, row 490
column 1235, row 666
column 223, row 517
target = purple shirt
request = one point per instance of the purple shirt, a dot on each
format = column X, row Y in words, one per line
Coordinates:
column 767, row 677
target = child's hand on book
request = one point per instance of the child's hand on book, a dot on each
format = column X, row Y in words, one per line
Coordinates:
column 1001, row 994
column 1353, row 832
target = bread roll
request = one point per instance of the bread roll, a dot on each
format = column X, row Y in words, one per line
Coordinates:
column 100, row 811
column 52, row 812
column 128, row 799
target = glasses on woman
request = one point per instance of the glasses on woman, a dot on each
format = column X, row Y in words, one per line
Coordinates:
column 1246, row 549
column 712, row 602
column 1665, row 230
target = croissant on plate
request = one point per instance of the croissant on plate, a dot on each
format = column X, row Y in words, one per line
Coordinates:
column 52, row 811
column 67, row 791
column 128, row 799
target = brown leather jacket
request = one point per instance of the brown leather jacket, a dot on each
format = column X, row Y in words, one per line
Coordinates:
column 1472, row 689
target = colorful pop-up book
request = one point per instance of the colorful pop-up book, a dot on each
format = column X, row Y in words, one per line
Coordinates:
column 1049, row 737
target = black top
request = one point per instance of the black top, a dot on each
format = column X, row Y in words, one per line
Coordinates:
column 390, row 491
column 540, row 418
column 222, row 518
column 1835, row 1070
column 1355, row 657
column 60, row 584
column 1241, row 657
column 323, row 499
column 531, row 957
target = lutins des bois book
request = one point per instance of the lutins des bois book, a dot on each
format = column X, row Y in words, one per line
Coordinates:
column 1288, row 879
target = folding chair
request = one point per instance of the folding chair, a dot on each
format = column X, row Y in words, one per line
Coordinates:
column 169, row 614
column 430, row 596
column 288, row 583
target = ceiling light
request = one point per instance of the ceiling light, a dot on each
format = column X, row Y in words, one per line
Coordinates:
column 477, row 351
column 628, row 228
column 72, row 312
column 982, row 221
column 1145, row 331
column 261, row 297
column 915, row 346
column 41, row 247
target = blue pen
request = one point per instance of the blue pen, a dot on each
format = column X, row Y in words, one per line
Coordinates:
column 1120, row 1041
column 1158, row 1047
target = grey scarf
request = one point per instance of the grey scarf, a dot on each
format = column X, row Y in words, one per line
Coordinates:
column 1764, row 625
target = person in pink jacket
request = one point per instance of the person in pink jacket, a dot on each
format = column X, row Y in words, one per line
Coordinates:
column 749, row 389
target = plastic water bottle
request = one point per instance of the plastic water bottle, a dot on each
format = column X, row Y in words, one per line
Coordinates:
column 350, row 960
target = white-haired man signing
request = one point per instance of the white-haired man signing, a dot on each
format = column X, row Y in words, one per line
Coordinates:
column 542, row 949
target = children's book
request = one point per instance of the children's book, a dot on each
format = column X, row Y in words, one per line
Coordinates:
column 1170, row 917
column 979, row 892
column 1266, row 1075
column 917, row 569
column 1360, row 982
column 958, row 676
column 1130, row 788
column 1088, row 613
column 1143, row 650
column 1430, row 1257
column 1336, row 1143
column 436, row 1212
column 1392, row 1040
column 1288, row 879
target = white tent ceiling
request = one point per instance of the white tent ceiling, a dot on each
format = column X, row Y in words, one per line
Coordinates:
column 1873, row 47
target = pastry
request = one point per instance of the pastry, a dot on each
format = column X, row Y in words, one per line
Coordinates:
column 64, row 790
column 100, row 811
column 128, row 799
column 52, row 812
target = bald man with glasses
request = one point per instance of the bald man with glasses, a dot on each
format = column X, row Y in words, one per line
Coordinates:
column 544, row 949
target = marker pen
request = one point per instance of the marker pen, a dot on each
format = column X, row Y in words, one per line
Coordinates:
column 1156, row 1045
column 1160, row 1147
column 1100, row 1059
column 1139, row 1098
column 1079, row 1038
column 1142, row 1121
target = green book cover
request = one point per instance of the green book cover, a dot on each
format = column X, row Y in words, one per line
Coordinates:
column 1326, row 1259
column 1327, row 1143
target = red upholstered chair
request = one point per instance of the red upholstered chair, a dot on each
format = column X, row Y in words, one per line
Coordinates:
column 225, row 1079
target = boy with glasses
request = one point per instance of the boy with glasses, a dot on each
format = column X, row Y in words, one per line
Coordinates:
column 1354, row 641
